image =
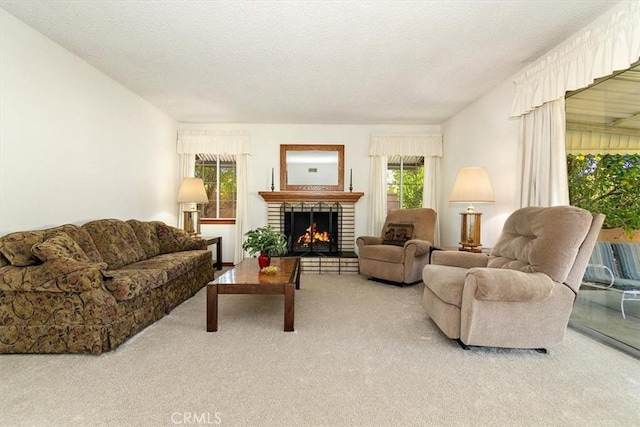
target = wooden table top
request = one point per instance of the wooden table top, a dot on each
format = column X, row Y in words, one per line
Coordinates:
column 248, row 272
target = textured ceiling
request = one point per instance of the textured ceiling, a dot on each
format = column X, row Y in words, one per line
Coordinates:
column 336, row 62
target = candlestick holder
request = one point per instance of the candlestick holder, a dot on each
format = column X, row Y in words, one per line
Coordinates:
column 272, row 176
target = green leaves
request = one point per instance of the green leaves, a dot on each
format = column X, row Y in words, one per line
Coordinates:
column 265, row 239
column 608, row 184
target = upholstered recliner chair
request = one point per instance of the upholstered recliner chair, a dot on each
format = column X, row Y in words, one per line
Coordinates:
column 521, row 295
column 402, row 250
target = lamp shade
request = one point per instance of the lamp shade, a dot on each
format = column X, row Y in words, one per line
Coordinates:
column 192, row 191
column 472, row 186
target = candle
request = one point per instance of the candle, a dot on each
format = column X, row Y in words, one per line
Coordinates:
column 350, row 177
column 271, row 176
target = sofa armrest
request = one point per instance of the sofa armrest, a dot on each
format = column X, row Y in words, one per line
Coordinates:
column 173, row 239
column 198, row 244
column 368, row 240
column 422, row 247
column 459, row 259
column 496, row 284
column 60, row 275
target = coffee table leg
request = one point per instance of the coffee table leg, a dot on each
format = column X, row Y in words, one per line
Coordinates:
column 289, row 303
column 212, row 308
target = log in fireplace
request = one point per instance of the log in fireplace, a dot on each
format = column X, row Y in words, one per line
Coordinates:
column 312, row 228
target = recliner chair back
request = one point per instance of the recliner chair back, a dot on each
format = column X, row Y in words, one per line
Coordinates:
column 423, row 220
column 546, row 240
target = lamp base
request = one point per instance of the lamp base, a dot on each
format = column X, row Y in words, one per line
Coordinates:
column 191, row 222
column 470, row 231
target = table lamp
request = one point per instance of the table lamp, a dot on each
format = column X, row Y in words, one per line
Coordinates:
column 192, row 191
column 472, row 185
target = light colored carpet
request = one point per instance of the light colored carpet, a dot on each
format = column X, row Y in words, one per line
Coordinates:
column 363, row 354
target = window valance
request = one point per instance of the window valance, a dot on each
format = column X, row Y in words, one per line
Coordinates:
column 213, row 142
column 609, row 45
column 427, row 145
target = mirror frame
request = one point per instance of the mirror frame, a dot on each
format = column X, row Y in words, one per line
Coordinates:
column 304, row 147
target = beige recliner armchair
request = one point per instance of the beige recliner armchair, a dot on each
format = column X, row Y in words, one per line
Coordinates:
column 521, row 295
column 403, row 248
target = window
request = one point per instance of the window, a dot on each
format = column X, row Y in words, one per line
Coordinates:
column 219, row 175
column 608, row 184
column 405, row 180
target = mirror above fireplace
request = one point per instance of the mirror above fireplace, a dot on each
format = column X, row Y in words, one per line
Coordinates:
column 311, row 167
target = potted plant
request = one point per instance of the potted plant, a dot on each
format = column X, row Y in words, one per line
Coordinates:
column 267, row 242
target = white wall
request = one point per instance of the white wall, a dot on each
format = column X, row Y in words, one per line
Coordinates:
column 74, row 144
column 265, row 148
column 481, row 135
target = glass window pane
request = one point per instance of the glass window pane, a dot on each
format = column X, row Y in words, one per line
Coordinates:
column 405, row 177
column 222, row 193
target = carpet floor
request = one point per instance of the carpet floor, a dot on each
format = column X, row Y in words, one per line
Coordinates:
column 363, row 354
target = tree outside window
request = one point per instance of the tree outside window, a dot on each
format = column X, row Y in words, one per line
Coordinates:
column 219, row 175
column 608, row 184
column 405, row 182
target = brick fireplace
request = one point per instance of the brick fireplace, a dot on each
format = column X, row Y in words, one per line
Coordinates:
column 320, row 228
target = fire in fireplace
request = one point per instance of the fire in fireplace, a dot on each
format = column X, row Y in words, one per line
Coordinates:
column 312, row 228
column 320, row 241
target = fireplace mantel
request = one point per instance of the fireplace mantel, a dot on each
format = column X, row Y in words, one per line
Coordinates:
column 310, row 196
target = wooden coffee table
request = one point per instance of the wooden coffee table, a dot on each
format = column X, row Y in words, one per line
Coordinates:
column 245, row 278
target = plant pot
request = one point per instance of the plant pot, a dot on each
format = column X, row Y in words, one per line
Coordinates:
column 618, row 235
column 264, row 260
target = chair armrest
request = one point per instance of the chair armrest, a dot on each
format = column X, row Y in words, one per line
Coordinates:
column 459, row 259
column 497, row 284
column 368, row 240
column 607, row 270
column 422, row 247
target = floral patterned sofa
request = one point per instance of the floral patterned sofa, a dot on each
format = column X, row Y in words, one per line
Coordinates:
column 86, row 289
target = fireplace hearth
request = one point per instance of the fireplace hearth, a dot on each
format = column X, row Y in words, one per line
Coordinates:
column 343, row 262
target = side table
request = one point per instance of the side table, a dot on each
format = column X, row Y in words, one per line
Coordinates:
column 217, row 240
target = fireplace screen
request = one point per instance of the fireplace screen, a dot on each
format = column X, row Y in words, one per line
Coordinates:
column 312, row 228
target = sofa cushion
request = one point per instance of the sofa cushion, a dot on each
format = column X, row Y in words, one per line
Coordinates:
column 147, row 236
column 126, row 284
column 81, row 237
column 175, row 263
column 59, row 246
column 116, row 242
column 628, row 255
column 16, row 247
column 397, row 234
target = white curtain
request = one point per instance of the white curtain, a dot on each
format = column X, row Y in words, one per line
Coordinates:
column 242, row 206
column 236, row 143
column 186, row 169
column 377, row 194
column 610, row 44
column 543, row 169
column 387, row 145
column 430, row 195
